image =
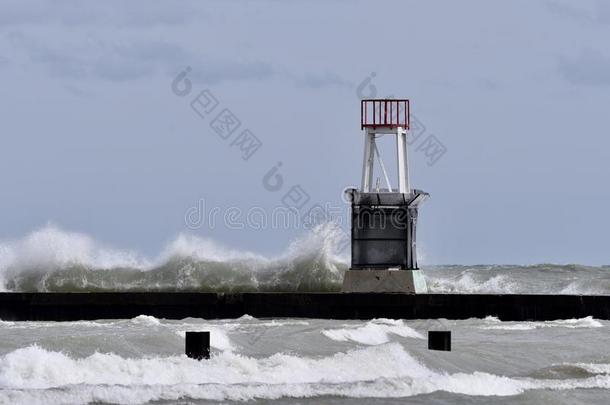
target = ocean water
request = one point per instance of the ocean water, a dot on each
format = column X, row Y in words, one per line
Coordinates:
column 52, row 259
column 305, row 361
column 288, row 361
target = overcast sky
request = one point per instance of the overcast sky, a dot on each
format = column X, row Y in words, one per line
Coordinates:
column 93, row 138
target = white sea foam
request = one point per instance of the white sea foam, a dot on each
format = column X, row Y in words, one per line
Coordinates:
column 55, row 260
column 595, row 368
column 374, row 332
column 204, row 249
column 51, row 247
column 587, row 322
column 468, row 282
column 282, row 322
column 516, row 326
column 514, row 279
column 47, row 324
column 35, row 375
column 585, row 287
column 146, row 320
column 52, row 259
column 246, row 317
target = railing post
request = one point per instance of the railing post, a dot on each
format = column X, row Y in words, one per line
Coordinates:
column 374, row 114
column 361, row 114
column 385, row 112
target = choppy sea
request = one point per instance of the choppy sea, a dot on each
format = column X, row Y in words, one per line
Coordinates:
column 305, row 361
column 282, row 361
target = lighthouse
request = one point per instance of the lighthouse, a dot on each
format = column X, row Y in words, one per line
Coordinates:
column 384, row 218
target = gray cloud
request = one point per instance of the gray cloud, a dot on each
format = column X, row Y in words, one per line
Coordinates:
column 212, row 72
column 78, row 92
column 322, row 80
column 123, row 62
column 129, row 62
column 589, row 68
column 108, row 13
column 126, row 56
column 599, row 14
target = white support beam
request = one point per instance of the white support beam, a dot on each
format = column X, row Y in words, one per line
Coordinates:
column 404, row 185
column 368, row 161
column 385, row 173
column 402, row 160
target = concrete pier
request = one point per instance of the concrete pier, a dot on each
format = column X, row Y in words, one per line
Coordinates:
column 384, row 281
column 88, row 306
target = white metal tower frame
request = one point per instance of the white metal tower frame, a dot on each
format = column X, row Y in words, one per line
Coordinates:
column 371, row 149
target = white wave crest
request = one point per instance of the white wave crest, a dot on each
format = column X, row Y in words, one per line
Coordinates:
column 595, row 368
column 374, row 332
column 51, row 247
column 470, row 283
column 204, row 249
column 514, row 279
column 35, row 375
column 587, row 322
column 146, row 320
column 55, row 260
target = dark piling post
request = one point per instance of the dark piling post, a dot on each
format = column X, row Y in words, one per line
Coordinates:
column 439, row 340
column 197, row 345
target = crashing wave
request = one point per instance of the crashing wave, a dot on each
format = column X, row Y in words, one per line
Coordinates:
column 53, row 260
column 374, row 332
column 35, row 375
column 515, row 279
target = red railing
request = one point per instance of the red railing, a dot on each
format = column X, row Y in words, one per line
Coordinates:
column 384, row 113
